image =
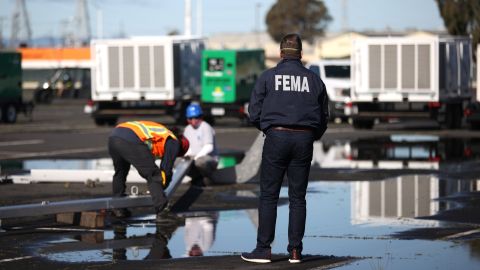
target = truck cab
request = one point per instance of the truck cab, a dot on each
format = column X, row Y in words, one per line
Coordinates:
column 11, row 97
column 336, row 76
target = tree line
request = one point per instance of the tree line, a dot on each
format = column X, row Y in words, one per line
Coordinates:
column 310, row 18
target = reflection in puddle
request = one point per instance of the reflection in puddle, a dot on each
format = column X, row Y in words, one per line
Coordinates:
column 357, row 219
column 396, row 152
column 425, row 152
column 407, row 197
column 367, row 219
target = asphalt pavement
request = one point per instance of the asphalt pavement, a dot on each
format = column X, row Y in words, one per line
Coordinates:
column 62, row 131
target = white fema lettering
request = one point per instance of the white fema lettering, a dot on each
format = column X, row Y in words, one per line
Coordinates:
column 291, row 83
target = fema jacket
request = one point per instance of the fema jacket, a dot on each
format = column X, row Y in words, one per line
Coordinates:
column 289, row 95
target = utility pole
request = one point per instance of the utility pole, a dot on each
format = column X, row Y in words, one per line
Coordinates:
column 67, row 36
column 82, row 34
column 188, row 18
column 1, row 31
column 99, row 24
column 98, row 20
column 257, row 22
column 199, row 17
column 344, row 15
column 20, row 22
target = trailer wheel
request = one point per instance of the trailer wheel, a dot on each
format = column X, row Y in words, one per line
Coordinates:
column 209, row 119
column 9, row 113
column 453, row 116
column 112, row 122
column 363, row 124
column 475, row 125
column 245, row 121
column 102, row 121
column 44, row 96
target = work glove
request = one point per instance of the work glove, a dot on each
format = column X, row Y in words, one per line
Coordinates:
column 166, row 179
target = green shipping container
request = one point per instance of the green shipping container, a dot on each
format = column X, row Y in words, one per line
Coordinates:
column 228, row 76
column 10, row 77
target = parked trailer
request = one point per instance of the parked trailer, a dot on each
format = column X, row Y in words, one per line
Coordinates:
column 410, row 77
column 144, row 76
column 11, row 100
column 472, row 112
column 228, row 77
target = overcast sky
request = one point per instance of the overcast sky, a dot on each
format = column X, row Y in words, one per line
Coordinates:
column 158, row 17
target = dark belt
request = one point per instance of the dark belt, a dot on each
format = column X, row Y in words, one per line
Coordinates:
column 292, row 129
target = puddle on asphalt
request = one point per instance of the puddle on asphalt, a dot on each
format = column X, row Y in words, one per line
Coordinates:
column 359, row 219
column 424, row 152
column 407, row 221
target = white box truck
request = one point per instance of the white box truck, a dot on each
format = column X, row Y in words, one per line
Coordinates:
column 335, row 73
column 144, row 76
column 402, row 77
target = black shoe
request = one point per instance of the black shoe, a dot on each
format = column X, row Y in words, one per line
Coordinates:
column 166, row 216
column 258, row 255
column 295, row 256
column 121, row 213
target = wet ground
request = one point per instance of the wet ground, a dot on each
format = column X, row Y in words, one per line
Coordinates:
column 396, row 197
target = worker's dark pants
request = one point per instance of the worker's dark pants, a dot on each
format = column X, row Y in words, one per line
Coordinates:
column 290, row 152
column 126, row 153
column 202, row 170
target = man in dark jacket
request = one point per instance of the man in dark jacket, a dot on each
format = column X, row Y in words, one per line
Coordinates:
column 290, row 105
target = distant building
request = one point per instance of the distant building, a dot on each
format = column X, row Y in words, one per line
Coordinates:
column 332, row 46
column 339, row 45
column 253, row 41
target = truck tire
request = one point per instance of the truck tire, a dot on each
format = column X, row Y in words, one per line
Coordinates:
column 9, row 114
column 362, row 124
column 179, row 113
column 112, row 122
column 475, row 125
column 44, row 96
column 102, row 121
column 453, row 116
column 209, row 119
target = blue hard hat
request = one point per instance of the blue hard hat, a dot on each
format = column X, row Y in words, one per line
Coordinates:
column 194, row 110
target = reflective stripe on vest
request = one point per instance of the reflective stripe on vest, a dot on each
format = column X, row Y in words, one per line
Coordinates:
column 154, row 135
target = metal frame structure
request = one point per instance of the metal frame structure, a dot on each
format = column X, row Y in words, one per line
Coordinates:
column 46, row 208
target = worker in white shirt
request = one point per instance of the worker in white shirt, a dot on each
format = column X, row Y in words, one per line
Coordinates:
column 203, row 148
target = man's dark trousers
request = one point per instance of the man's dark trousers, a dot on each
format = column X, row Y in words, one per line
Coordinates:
column 123, row 154
column 290, row 152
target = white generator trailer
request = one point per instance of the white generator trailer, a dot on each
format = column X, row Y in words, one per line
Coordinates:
column 404, row 77
column 144, row 76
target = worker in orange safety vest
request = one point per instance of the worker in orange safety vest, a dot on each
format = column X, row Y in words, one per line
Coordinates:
column 139, row 143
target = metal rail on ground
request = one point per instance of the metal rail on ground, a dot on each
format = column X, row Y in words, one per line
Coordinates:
column 46, row 208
